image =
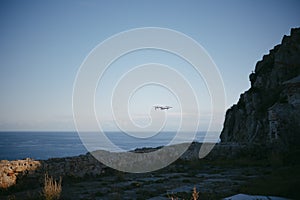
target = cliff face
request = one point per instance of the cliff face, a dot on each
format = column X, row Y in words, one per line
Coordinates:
column 270, row 110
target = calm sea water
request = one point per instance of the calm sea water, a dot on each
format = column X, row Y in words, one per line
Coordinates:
column 44, row 145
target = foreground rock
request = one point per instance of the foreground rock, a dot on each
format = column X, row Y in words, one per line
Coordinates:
column 77, row 167
column 253, row 197
column 10, row 170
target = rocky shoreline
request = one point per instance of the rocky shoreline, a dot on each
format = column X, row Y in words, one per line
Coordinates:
column 224, row 172
column 87, row 165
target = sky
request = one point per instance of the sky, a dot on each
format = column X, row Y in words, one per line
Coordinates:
column 44, row 43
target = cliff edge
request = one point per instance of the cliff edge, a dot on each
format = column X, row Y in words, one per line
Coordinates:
column 269, row 112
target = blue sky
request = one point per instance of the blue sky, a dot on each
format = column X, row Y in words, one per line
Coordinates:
column 43, row 44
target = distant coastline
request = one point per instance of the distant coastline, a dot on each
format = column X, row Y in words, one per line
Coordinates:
column 44, row 145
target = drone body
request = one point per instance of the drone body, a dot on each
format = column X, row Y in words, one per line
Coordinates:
column 162, row 107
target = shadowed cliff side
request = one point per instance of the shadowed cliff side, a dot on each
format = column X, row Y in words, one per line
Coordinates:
column 269, row 112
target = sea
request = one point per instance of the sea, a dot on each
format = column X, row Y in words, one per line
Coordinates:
column 45, row 145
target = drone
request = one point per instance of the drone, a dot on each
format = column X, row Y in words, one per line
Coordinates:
column 162, row 107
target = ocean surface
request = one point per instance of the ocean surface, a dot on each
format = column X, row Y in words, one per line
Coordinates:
column 44, row 145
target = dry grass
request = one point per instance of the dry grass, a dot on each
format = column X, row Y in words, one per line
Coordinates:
column 52, row 188
column 195, row 195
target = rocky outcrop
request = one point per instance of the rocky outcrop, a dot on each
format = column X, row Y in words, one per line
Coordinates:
column 10, row 170
column 77, row 167
column 269, row 112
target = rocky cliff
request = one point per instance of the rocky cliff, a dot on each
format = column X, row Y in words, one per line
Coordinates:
column 269, row 112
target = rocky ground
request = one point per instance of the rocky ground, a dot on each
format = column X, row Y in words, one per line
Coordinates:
column 176, row 181
column 215, row 177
